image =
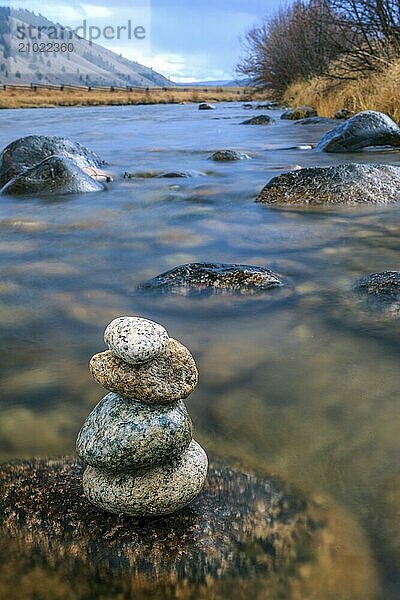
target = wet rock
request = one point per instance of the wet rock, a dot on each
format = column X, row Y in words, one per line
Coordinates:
column 301, row 112
column 54, row 175
column 27, row 152
column 215, row 277
column 161, row 490
column 247, row 106
column 343, row 113
column 167, row 378
column 366, row 129
column 136, row 340
column 382, row 291
column 228, row 155
column 206, row 106
column 260, row 120
column 238, row 539
column 124, row 435
column 340, row 184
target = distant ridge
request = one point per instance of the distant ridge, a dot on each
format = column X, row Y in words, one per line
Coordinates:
column 88, row 64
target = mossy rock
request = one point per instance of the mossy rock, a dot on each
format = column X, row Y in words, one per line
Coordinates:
column 244, row 536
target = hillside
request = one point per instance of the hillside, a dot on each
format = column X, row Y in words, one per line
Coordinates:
column 87, row 64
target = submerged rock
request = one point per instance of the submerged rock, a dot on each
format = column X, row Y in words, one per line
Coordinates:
column 161, row 490
column 301, row 112
column 268, row 105
column 170, row 377
column 215, row 276
column 163, row 174
column 228, row 155
column 315, row 121
column 123, row 435
column 27, row 152
column 240, row 538
column 366, row 129
column 340, row 184
column 382, row 291
column 136, row 340
column 54, row 175
column 260, row 120
column 206, row 106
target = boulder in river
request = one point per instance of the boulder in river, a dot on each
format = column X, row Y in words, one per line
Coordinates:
column 339, row 184
column 206, row 106
column 382, row 292
column 228, row 155
column 259, row 120
column 244, row 536
column 215, row 277
column 27, row 152
column 54, row 175
column 366, row 129
column 301, row 112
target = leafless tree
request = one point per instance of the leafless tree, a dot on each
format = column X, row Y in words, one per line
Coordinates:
column 372, row 32
column 299, row 42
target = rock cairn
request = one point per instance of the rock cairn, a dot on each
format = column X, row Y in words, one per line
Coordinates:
column 137, row 442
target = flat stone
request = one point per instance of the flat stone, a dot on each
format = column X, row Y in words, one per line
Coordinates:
column 163, row 174
column 161, row 490
column 341, row 184
column 259, row 120
column 228, row 155
column 239, row 538
column 125, row 435
column 54, row 175
column 216, row 277
column 366, row 129
column 167, row 378
column 136, row 340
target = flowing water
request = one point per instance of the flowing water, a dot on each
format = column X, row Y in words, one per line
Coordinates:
column 304, row 384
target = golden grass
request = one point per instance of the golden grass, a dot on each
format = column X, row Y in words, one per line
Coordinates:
column 43, row 98
column 377, row 92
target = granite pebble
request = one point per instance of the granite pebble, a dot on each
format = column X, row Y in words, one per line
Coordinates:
column 167, row 378
column 159, row 491
column 136, row 340
column 122, row 435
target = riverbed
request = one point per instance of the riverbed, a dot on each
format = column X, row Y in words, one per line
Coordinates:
column 303, row 384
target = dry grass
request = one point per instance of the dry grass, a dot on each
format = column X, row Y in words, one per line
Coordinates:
column 378, row 92
column 43, row 98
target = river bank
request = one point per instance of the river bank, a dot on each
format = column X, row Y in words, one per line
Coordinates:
column 376, row 92
column 49, row 98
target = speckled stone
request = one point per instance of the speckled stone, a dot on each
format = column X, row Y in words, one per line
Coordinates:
column 346, row 184
column 135, row 340
column 125, row 435
column 170, row 377
column 159, row 491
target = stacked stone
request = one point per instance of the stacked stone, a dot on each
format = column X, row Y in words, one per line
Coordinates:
column 137, row 442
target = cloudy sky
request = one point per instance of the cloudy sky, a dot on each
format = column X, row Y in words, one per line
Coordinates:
column 185, row 40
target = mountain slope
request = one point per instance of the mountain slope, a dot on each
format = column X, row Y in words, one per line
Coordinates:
column 85, row 64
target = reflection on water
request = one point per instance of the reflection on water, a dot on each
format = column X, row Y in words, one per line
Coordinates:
column 305, row 385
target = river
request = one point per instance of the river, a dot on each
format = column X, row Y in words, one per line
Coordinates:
column 304, row 384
